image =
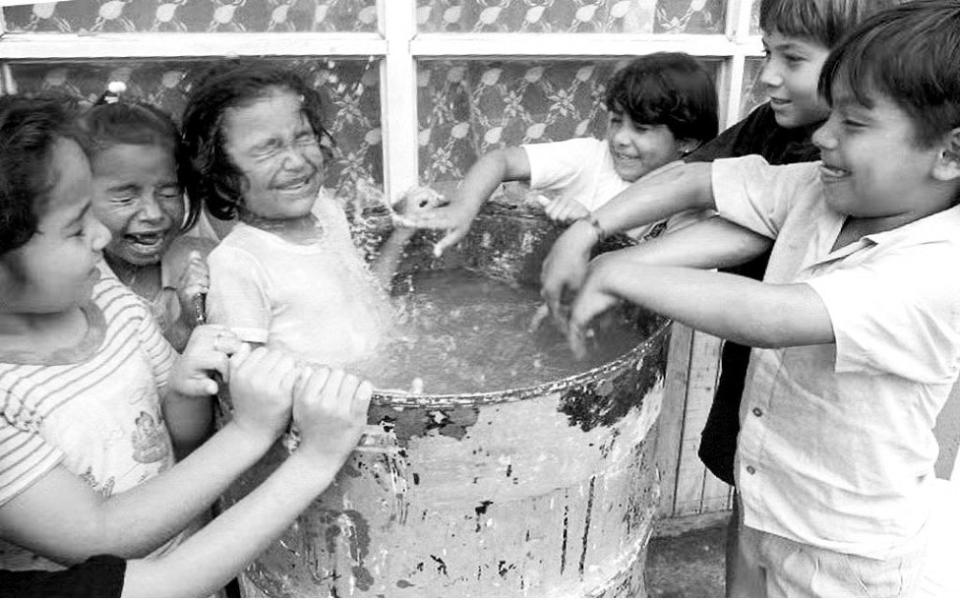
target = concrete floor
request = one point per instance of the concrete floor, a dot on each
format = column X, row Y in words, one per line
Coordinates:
column 689, row 565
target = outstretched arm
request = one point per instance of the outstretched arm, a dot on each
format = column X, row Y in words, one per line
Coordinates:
column 61, row 517
column 728, row 306
column 671, row 189
column 330, row 409
column 492, row 169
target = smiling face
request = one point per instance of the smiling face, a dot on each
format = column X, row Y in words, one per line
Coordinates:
column 56, row 269
column 790, row 73
column 873, row 166
column 136, row 195
column 638, row 149
column 272, row 143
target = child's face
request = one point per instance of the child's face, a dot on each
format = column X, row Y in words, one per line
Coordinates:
column 274, row 146
column 638, row 149
column 56, row 269
column 790, row 73
column 872, row 165
column 136, row 195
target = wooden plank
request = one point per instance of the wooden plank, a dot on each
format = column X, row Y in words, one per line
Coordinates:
column 670, row 424
column 701, row 385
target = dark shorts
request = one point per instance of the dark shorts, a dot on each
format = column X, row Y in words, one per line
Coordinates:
column 98, row 577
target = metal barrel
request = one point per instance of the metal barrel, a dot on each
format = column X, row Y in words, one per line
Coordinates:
column 548, row 490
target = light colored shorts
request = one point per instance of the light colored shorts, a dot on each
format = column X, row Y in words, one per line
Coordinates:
column 770, row 566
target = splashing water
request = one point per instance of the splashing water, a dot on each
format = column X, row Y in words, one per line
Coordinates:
column 460, row 332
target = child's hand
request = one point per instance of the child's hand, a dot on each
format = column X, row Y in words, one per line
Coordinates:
column 194, row 280
column 207, row 351
column 330, row 410
column 592, row 300
column 261, row 390
column 563, row 210
column 410, row 210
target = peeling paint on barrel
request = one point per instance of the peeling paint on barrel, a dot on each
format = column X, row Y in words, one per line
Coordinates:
column 543, row 491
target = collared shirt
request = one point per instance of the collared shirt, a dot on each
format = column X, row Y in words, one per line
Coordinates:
column 836, row 447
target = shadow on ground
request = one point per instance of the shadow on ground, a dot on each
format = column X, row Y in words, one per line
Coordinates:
column 689, row 565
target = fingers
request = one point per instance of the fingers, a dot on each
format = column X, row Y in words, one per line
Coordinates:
column 576, row 337
column 452, row 238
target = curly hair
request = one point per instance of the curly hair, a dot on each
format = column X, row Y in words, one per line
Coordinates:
column 210, row 175
column 139, row 124
column 30, row 127
column 666, row 88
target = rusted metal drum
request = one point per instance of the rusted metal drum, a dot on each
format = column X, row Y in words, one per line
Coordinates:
column 543, row 491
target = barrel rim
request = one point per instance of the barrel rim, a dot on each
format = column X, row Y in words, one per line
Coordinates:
column 401, row 398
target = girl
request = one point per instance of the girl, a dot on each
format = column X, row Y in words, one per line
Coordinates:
column 82, row 361
column 135, row 150
column 288, row 274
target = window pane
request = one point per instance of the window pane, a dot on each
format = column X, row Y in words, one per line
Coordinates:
column 572, row 16
column 350, row 89
column 753, row 93
column 194, row 15
column 467, row 108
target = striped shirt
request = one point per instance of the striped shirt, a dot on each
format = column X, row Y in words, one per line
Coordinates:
column 94, row 408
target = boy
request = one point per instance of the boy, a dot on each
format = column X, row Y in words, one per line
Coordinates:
column 855, row 320
column 661, row 107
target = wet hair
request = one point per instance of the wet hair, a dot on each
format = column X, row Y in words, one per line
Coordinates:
column 666, row 88
column 909, row 54
column 30, row 127
column 210, row 176
column 136, row 123
column 822, row 21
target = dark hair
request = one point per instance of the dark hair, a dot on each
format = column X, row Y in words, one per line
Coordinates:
column 911, row 55
column 822, row 21
column 666, row 88
column 210, row 175
column 29, row 129
column 139, row 124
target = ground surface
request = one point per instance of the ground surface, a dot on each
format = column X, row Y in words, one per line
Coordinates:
column 689, row 565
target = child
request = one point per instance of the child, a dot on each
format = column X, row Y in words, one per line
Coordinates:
column 137, row 195
column 288, row 274
column 855, row 320
column 661, row 107
column 82, row 362
column 329, row 409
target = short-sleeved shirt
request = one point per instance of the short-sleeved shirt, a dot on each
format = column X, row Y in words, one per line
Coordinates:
column 758, row 133
column 94, row 408
column 316, row 300
column 582, row 169
column 836, row 445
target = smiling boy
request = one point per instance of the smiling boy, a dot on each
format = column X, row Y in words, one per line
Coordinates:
column 855, row 323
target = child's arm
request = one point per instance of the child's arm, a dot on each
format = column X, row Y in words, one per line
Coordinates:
column 493, row 168
column 728, row 306
column 187, row 404
column 385, row 264
column 671, row 189
column 330, row 410
column 61, row 517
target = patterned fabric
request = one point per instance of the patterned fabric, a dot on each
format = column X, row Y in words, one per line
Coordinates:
column 194, row 15
column 572, row 16
column 467, row 108
column 350, row 90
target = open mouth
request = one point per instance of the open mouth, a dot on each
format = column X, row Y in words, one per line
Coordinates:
column 829, row 172
column 147, row 242
column 621, row 157
column 296, row 185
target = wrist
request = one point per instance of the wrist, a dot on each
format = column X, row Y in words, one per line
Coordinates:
column 251, row 439
column 596, row 227
column 317, row 468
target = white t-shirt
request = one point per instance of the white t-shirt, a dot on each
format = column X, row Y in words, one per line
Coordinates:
column 317, row 300
column 582, row 169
